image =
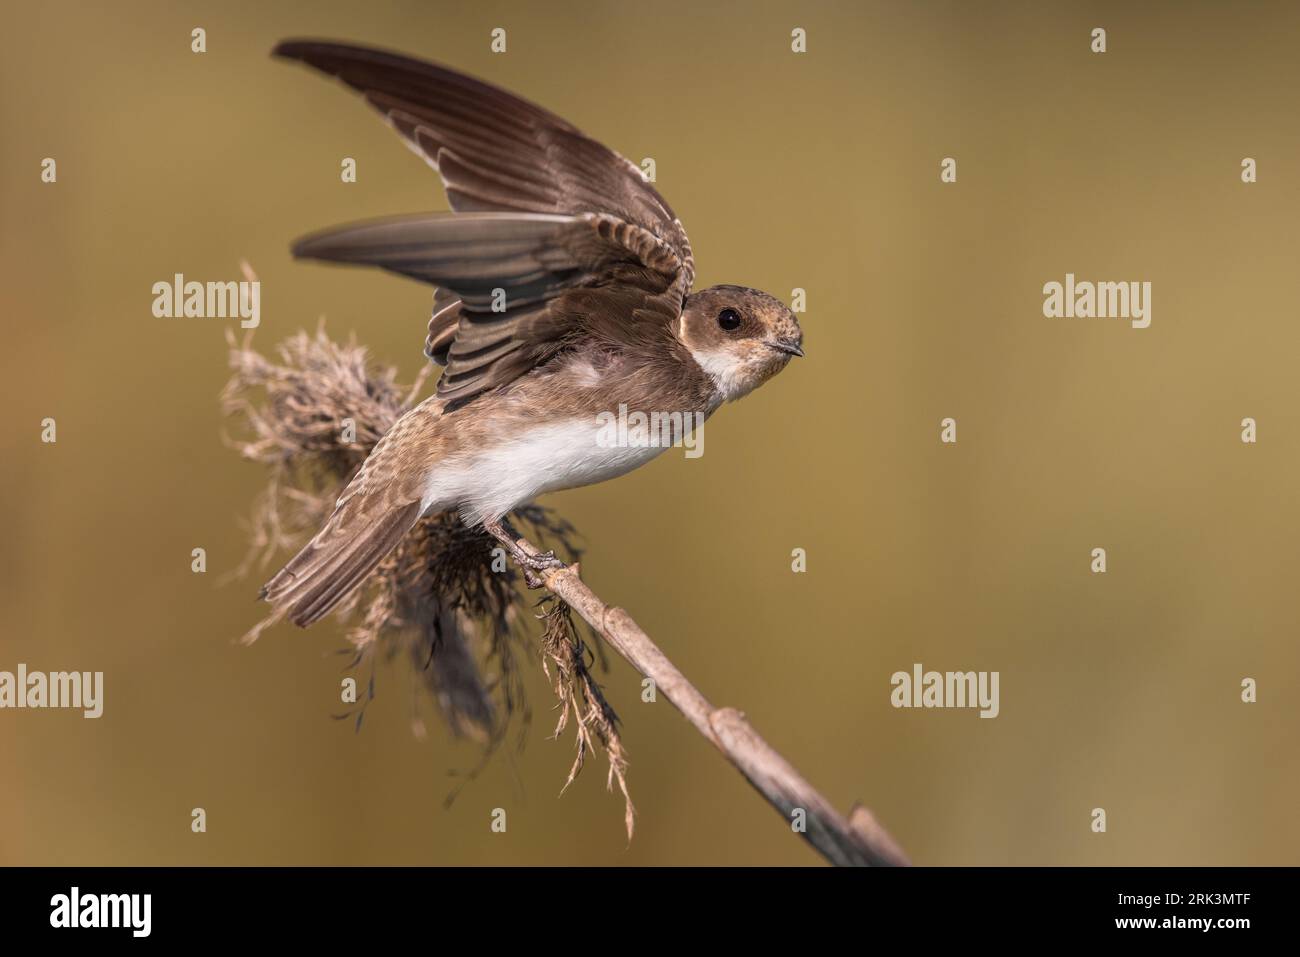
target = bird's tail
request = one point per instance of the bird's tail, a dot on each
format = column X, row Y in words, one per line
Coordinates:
column 333, row 563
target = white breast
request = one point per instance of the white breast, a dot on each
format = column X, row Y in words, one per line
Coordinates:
column 488, row 483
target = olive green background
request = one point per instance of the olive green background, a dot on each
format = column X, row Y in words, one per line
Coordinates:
column 818, row 171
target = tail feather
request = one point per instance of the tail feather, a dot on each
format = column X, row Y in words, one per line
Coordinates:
column 335, row 562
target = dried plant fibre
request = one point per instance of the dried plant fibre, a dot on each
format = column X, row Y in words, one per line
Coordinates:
column 446, row 597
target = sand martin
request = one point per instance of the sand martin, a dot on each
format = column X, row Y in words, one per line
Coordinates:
column 563, row 291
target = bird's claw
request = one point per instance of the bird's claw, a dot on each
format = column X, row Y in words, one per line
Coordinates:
column 542, row 561
column 533, row 564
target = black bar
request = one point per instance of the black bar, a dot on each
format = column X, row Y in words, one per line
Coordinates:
column 366, row 905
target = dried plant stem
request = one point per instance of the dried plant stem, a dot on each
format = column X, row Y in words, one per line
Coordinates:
column 858, row 840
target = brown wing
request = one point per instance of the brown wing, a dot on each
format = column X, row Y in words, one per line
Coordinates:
column 524, row 284
column 499, row 154
column 442, row 325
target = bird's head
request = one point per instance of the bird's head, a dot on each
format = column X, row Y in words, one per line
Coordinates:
column 741, row 337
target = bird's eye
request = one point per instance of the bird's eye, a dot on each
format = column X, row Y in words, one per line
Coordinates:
column 729, row 319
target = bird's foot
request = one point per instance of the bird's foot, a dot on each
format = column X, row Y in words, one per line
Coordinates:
column 531, row 562
column 541, row 561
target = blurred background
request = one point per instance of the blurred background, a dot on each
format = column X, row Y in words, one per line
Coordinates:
column 818, row 171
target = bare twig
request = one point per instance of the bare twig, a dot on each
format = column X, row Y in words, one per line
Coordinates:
column 857, row 841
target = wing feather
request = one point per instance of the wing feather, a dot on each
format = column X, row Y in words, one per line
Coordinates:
column 541, row 212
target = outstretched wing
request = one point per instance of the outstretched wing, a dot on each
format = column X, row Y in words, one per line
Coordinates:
column 552, row 231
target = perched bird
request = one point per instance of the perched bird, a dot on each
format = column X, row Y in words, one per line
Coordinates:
column 563, row 292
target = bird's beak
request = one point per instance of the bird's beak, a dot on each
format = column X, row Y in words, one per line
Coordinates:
column 784, row 345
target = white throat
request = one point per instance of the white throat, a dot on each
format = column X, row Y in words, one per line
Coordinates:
column 725, row 370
